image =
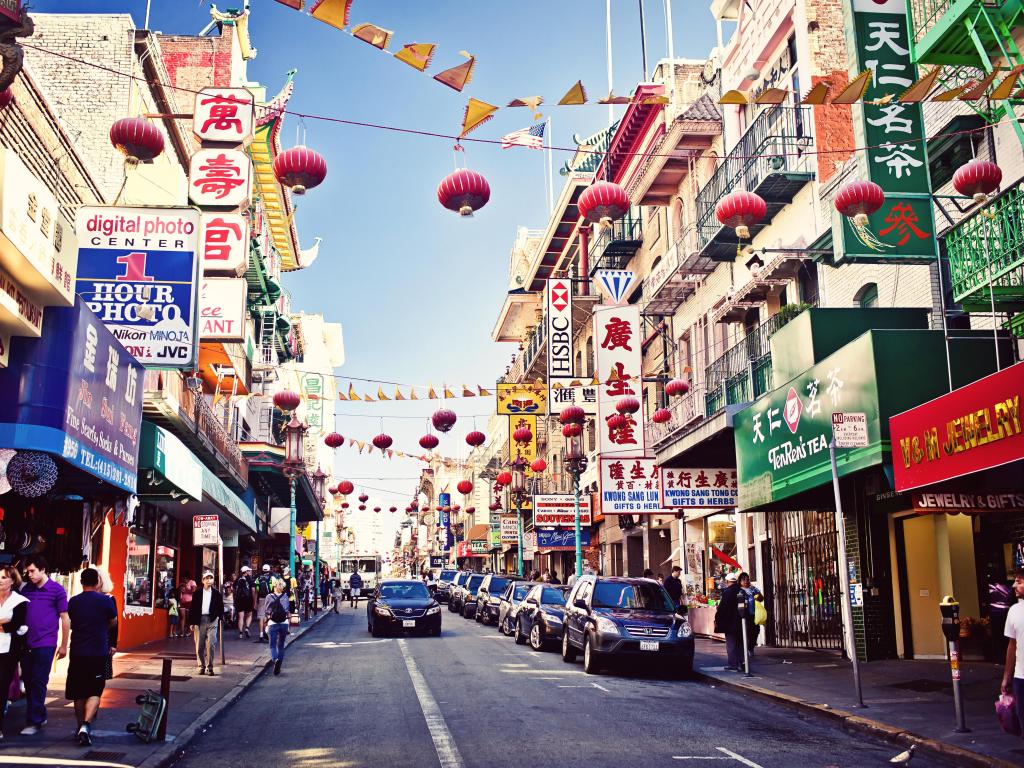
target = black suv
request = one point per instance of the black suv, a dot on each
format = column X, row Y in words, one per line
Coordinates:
column 467, row 595
column 608, row 617
column 444, row 585
column 489, row 598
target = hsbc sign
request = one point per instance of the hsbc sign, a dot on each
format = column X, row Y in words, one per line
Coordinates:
column 559, row 326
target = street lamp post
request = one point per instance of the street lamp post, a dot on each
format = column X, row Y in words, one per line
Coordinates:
column 319, row 479
column 294, row 467
column 518, row 489
column 575, row 461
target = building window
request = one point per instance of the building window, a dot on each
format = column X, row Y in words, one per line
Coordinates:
column 867, row 297
column 589, row 358
column 138, row 586
column 166, row 558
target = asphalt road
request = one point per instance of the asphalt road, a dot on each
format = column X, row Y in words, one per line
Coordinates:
column 473, row 698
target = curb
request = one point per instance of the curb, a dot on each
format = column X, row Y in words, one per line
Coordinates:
column 849, row 721
column 171, row 750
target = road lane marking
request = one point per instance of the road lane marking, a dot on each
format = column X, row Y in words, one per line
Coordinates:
column 515, row 665
column 738, row 758
column 572, row 686
column 601, row 687
column 444, row 744
column 700, row 757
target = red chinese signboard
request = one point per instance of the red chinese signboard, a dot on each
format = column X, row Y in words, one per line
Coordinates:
column 224, row 115
column 219, row 178
column 224, row 243
column 630, row 486
column 619, row 358
column 970, row 429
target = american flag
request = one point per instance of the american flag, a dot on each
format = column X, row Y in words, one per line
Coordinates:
column 525, row 137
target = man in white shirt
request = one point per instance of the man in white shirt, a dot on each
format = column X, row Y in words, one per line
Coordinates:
column 1013, row 677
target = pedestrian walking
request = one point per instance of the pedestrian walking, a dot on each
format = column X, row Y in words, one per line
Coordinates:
column 1013, row 674
column 173, row 609
column 277, row 623
column 92, row 614
column 47, row 613
column 336, row 591
column 106, row 587
column 648, row 573
column 674, row 586
column 186, row 589
column 227, row 591
column 204, row 616
column 554, row 577
column 727, row 621
column 753, row 595
column 355, row 585
column 264, row 588
column 245, row 601
column 13, row 609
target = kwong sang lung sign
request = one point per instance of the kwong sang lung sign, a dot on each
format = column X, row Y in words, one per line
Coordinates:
column 630, row 486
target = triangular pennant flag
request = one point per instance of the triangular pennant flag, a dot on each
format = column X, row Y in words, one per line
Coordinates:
column 575, row 383
column 467, row 392
column 482, row 392
column 376, row 36
column 361, row 445
column 390, row 453
column 399, row 454
column 333, row 12
column 416, row 55
column 296, row 4
column 476, row 114
column 733, row 97
column 351, row 442
column 431, row 394
column 381, row 395
column 611, row 98
column 855, row 90
column 772, row 96
column 953, row 93
column 920, row 90
column 368, row 398
column 352, row 393
column 1005, row 88
column 558, row 385
column 412, row 393
column 654, row 100
column 817, row 95
column 459, row 76
column 595, row 381
column 978, row 91
column 448, row 393
column 398, row 394
column 575, row 95
column 533, row 102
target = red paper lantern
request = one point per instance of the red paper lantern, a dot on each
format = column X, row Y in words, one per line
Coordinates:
column 464, row 191
column 470, row 510
column 344, row 505
column 617, row 421
column 603, row 202
column 627, row 405
column 522, row 435
column 362, row 507
column 382, row 441
column 464, row 487
column 661, row 416
column 137, row 139
column 504, row 478
column 447, row 509
column 676, row 387
column 363, row 497
column 377, row 510
column 429, row 442
column 475, row 438
column 443, row 420
column 333, row 490
column 456, row 507
column 572, row 415
column 978, row 179
column 345, row 487
column 741, row 210
column 424, row 508
column 299, row 169
column 6, row 97
column 858, row 200
column 572, row 430
column 286, row 400
column 334, row 440
column 392, row 509
column 538, row 465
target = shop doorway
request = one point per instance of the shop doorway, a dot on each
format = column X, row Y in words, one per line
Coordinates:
column 617, row 559
column 805, row 605
column 918, row 563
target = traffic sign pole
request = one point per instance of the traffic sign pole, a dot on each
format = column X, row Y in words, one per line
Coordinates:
column 844, row 576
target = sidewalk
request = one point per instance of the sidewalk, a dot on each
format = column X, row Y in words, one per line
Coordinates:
column 908, row 702
column 194, row 701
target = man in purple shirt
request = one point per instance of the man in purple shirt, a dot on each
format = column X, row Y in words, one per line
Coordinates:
column 47, row 609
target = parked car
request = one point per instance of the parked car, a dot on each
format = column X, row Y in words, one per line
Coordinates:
column 489, row 598
column 541, row 616
column 612, row 617
column 402, row 605
column 467, row 596
column 444, row 585
column 511, row 600
column 453, row 594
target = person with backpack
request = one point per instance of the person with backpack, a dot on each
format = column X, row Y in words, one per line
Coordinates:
column 276, row 615
column 264, row 588
column 355, row 583
column 245, row 601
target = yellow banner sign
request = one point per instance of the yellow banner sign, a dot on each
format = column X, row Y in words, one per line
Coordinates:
column 526, row 452
column 525, row 399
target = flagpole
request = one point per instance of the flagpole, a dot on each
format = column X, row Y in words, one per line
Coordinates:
column 551, row 176
column 608, row 30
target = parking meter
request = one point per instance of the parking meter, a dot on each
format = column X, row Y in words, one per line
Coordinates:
column 741, row 607
column 950, row 610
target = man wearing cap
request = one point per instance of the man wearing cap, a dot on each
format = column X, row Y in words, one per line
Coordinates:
column 264, row 587
column 727, row 621
column 204, row 615
column 245, row 601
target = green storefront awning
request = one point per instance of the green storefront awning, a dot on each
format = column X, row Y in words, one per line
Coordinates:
column 172, row 463
column 215, row 490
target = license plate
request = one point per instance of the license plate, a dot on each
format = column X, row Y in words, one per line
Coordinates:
column 412, row 623
column 648, row 645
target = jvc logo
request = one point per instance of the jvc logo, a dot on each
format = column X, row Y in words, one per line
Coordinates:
column 174, row 353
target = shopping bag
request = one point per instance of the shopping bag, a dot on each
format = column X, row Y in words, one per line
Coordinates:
column 294, row 619
column 760, row 613
column 1006, row 714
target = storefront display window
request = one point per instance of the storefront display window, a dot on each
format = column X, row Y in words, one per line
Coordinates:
column 166, row 558
column 720, row 533
column 138, row 585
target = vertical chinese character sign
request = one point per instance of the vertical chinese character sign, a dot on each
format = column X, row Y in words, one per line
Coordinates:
column 224, row 243
column 893, row 132
column 219, row 178
column 617, row 348
column 224, row 115
column 525, row 452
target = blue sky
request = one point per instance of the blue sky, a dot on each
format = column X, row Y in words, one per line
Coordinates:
column 416, row 287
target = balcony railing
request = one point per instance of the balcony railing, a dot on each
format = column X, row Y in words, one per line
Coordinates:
column 190, row 417
column 770, row 159
column 924, row 14
column 686, row 411
column 964, row 32
column 615, row 245
column 989, row 247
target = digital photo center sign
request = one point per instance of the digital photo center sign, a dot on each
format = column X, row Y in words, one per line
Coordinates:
column 137, row 270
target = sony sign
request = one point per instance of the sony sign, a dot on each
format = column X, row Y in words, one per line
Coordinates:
column 558, row 293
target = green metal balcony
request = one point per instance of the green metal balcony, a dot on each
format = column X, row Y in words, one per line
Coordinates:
column 988, row 247
column 970, row 33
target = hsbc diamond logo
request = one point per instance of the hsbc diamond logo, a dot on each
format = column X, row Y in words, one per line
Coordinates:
column 794, row 408
column 560, row 296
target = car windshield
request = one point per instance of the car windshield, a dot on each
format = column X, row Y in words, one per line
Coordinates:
column 497, row 586
column 460, row 578
column 474, row 582
column 446, row 575
column 549, row 596
column 403, row 591
column 521, row 591
column 645, row 595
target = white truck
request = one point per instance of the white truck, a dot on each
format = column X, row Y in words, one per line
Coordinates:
column 368, row 567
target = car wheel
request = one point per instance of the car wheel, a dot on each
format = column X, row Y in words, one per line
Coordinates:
column 478, row 617
column 591, row 664
column 568, row 650
column 520, row 636
column 536, row 641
